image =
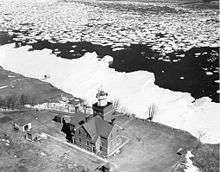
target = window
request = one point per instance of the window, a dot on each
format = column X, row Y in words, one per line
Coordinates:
column 79, row 139
column 79, row 132
column 87, row 143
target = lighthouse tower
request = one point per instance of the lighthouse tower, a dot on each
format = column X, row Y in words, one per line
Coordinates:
column 102, row 98
column 102, row 107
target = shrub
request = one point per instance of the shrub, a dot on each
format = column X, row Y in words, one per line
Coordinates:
column 116, row 104
column 151, row 111
column 206, row 157
column 16, row 101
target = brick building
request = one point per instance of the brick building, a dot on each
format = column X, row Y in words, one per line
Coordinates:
column 96, row 132
column 98, row 136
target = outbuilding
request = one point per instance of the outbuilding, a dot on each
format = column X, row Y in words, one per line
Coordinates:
column 32, row 135
column 22, row 125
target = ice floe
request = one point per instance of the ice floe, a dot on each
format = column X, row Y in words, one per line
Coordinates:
column 209, row 73
column 60, row 21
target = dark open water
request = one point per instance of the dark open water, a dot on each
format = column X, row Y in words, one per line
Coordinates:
column 187, row 74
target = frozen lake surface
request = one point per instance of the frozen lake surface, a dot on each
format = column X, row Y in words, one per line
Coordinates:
column 177, row 43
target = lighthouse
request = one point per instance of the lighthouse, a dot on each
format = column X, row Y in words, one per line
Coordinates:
column 102, row 98
column 102, row 107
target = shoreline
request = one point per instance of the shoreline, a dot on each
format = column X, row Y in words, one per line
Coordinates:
column 174, row 108
column 192, row 74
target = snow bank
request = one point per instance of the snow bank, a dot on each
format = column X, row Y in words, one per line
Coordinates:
column 5, row 86
column 200, row 118
column 136, row 90
column 189, row 165
column 11, row 76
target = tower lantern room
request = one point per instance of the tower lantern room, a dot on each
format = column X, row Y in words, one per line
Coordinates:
column 102, row 98
column 102, row 107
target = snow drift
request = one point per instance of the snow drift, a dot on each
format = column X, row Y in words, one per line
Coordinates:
column 189, row 164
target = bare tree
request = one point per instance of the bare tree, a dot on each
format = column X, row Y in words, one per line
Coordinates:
column 2, row 103
column 201, row 134
column 16, row 101
column 116, row 104
column 123, row 110
column 151, row 111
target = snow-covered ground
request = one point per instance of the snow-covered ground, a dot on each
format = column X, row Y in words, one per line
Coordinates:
column 189, row 165
column 5, row 86
column 136, row 90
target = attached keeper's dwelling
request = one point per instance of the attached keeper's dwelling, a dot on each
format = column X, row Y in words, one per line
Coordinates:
column 97, row 136
column 96, row 132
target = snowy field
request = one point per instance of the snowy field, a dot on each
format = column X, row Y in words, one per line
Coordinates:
column 166, row 27
column 189, row 164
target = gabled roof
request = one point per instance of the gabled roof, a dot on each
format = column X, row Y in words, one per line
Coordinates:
column 76, row 118
column 96, row 127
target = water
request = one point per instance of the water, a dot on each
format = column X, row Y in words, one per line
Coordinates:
column 166, row 38
column 187, row 73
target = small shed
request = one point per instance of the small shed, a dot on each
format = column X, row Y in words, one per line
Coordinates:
column 58, row 118
column 32, row 135
column 22, row 125
column 103, row 168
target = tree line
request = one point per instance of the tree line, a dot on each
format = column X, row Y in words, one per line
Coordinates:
column 16, row 101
